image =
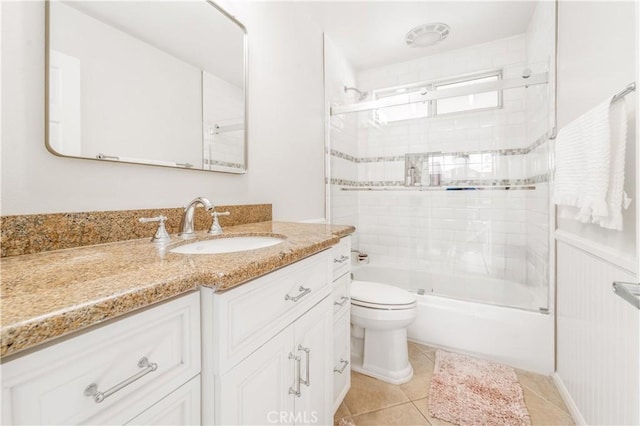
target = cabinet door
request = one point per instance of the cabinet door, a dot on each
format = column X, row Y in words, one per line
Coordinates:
column 180, row 407
column 341, row 358
column 256, row 391
column 314, row 344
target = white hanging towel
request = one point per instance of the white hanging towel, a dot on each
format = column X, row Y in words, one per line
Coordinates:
column 589, row 174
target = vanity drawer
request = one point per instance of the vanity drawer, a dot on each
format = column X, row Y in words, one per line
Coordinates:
column 341, row 261
column 250, row 314
column 52, row 385
column 341, row 295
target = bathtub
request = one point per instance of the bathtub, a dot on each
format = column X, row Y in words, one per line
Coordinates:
column 474, row 315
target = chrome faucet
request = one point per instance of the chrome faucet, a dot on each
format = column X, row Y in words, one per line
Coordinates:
column 186, row 224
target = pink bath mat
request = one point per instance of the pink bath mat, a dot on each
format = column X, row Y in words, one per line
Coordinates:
column 470, row 391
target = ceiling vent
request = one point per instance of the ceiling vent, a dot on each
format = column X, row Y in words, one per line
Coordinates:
column 427, row 34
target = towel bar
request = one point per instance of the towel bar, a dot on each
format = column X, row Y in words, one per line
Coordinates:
column 631, row 87
column 628, row 291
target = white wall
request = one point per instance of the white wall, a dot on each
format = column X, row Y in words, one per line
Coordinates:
column 137, row 100
column 592, row 66
column 285, row 128
column 598, row 345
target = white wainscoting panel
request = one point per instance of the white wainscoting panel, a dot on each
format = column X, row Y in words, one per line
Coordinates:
column 598, row 340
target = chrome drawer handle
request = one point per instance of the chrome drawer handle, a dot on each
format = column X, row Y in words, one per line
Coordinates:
column 306, row 382
column 345, row 363
column 343, row 300
column 341, row 259
column 98, row 397
column 296, row 375
column 304, row 292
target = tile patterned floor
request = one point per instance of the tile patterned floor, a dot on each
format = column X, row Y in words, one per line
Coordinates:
column 373, row 402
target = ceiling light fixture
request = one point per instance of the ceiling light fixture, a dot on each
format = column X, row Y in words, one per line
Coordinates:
column 427, row 34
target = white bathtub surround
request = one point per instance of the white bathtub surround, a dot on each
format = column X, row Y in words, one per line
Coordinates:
column 516, row 337
column 486, row 233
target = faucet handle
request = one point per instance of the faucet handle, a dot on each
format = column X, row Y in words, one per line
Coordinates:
column 161, row 235
column 216, row 229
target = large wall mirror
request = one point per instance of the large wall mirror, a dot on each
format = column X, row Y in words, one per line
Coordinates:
column 161, row 83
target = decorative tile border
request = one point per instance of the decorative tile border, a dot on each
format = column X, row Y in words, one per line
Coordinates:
column 224, row 164
column 444, row 188
column 501, row 152
column 500, row 183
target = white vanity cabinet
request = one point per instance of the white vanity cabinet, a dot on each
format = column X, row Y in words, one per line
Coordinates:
column 118, row 373
column 341, row 275
column 271, row 346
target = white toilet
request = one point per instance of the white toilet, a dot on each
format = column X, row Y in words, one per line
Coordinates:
column 380, row 315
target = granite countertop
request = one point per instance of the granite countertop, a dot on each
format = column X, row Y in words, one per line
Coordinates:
column 51, row 294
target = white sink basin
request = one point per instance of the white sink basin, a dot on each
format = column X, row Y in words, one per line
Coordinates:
column 227, row 245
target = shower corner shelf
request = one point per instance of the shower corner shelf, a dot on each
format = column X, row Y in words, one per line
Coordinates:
column 628, row 291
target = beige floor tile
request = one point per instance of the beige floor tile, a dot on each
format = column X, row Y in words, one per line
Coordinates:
column 421, row 363
column 344, row 420
column 543, row 412
column 342, row 412
column 427, row 350
column 405, row 414
column 543, row 386
column 414, row 349
column 423, row 406
column 369, row 394
column 418, row 386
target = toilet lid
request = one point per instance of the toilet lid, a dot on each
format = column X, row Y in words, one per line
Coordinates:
column 380, row 294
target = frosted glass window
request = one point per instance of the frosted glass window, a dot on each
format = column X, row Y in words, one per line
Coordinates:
column 402, row 112
column 467, row 102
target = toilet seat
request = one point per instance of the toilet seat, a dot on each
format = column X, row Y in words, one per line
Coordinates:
column 374, row 295
column 383, row 307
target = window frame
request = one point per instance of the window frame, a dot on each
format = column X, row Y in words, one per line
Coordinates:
column 432, row 85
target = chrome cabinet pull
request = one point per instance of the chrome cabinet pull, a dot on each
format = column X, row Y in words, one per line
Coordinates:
column 98, row 397
column 343, row 300
column 303, row 292
column 307, row 351
column 341, row 259
column 296, row 375
column 341, row 370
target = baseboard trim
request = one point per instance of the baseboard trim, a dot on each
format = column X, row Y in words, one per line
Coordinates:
column 568, row 400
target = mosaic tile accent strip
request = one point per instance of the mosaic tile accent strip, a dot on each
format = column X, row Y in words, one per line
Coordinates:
column 380, row 159
column 529, row 183
column 444, row 188
column 501, row 152
column 344, row 156
column 224, row 164
column 540, row 141
column 29, row 234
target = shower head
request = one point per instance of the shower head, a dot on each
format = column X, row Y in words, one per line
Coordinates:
column 361, row 95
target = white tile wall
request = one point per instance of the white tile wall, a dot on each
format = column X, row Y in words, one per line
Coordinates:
column 342, row 136
column 539, row 120
column 453, row 232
